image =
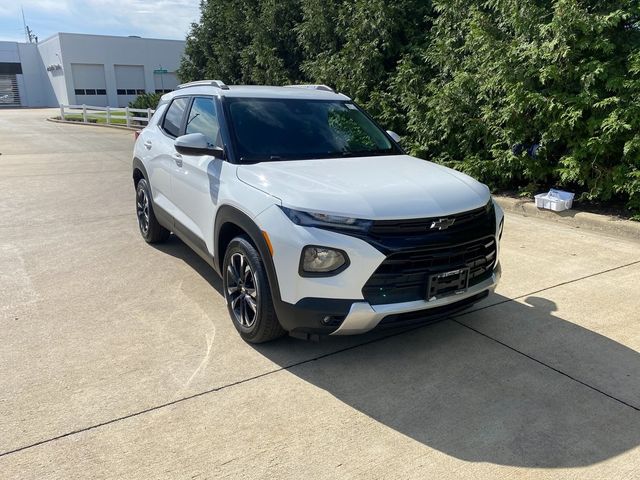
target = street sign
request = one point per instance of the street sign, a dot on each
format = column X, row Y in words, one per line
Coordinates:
column 160, row 71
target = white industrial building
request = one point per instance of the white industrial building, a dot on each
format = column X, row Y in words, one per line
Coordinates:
column 69, row 68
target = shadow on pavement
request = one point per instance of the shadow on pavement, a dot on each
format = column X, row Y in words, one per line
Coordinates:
column 468, row 396
column 176, row 248
column 464, row 394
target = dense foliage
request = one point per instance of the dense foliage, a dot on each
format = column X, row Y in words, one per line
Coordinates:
column 519, row 94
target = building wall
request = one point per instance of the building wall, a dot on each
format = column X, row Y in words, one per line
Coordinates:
column 91, row 69
column 118, row 53
column 51, row 57
column 31, row 79
column 36, row 89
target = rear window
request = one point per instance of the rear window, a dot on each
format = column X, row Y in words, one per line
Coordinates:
column 173, row 119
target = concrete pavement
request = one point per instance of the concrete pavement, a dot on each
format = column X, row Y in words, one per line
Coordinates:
column 119, row 360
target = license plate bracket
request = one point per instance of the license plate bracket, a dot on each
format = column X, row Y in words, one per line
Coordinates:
column 451, row 282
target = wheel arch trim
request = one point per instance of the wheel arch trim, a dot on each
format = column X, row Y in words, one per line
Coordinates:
column 138, row 165
column 228, row 214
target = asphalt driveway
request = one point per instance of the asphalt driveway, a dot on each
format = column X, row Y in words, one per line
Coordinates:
column 118, row 359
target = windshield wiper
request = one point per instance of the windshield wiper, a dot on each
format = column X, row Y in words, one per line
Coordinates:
column 270, row 158
column 366, row 153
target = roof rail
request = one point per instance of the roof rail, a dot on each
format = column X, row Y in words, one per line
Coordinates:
column 214, row 83
column 325, row 88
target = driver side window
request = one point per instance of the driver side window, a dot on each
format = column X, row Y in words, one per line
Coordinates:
column 203, row 118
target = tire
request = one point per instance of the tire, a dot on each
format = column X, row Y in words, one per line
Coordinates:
column 150, row 229
column 248, row 293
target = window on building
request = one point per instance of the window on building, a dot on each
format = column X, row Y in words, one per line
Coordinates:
column 131, row 91
column 79, row 91
column 90, row 91
column 140, row 91
column 204, row 119
column 173, row 119
column 101, row 91
column 121, row 91
column 166, row 90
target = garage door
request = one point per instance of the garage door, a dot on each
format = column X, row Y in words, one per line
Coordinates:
column 165, row 82
column 129, row 83
column 9, row 96
column 89, row 84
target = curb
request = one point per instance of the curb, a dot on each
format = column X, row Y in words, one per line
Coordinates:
column 119, row 127
column 573, row 218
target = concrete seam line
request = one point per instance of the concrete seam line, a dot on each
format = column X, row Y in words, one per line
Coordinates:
column 319, row 357
column 467, row 312
column 199, row 394
column 546, row 365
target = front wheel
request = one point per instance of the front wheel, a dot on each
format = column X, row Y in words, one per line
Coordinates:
column 248, row 294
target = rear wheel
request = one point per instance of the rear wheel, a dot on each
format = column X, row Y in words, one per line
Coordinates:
column 248, row 294
column 150, row 229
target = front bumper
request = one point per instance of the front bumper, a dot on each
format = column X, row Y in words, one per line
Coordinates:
column 350, row 317
column 336, row 305
column 363, row 317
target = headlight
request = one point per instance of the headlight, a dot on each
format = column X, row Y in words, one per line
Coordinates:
column 324, row 220
column 322, row 261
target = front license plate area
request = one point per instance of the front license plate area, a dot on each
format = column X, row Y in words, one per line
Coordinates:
column 452, row 282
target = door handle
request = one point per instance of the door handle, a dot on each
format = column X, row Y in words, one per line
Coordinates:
column 177, row 158
column 148, row 144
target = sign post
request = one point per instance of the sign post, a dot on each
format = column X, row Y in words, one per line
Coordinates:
column 161, row 71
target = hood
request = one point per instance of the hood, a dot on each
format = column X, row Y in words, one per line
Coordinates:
column 380, row 187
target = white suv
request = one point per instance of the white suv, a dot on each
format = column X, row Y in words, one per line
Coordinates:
column 314, row 217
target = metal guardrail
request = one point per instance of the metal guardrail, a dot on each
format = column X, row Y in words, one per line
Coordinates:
column 110, row 115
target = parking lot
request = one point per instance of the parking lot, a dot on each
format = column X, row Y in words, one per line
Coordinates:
column 119, row 360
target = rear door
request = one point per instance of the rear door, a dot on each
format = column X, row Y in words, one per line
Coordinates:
column 196, row 179
column 163, row 155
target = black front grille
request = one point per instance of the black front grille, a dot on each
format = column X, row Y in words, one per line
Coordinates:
column 421, row 226
column 403, row 275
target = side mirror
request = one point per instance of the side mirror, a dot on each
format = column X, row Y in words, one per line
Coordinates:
column 197, row 144
column 394, row 136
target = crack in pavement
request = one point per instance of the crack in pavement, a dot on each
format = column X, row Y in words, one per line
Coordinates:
column 353, row 347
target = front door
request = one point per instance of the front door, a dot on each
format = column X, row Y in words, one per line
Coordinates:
column 196, row 179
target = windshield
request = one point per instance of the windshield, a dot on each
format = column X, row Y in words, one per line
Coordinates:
column 270, row 129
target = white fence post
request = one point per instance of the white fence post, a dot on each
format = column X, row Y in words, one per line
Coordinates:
column 148, row 115
column 84, row 113
column 126, row 112
column 108, row 115
column 61, row 112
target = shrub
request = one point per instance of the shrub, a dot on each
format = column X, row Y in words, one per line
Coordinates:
column 146, row 100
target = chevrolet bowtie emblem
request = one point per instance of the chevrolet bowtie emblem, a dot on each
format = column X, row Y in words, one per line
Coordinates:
column 442, row 223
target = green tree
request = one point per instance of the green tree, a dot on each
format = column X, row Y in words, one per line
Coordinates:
column 518, row 94
column 244, row 42
column 355, row 46
column 512, row 76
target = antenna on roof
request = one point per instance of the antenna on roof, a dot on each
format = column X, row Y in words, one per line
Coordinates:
column 29, row 36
